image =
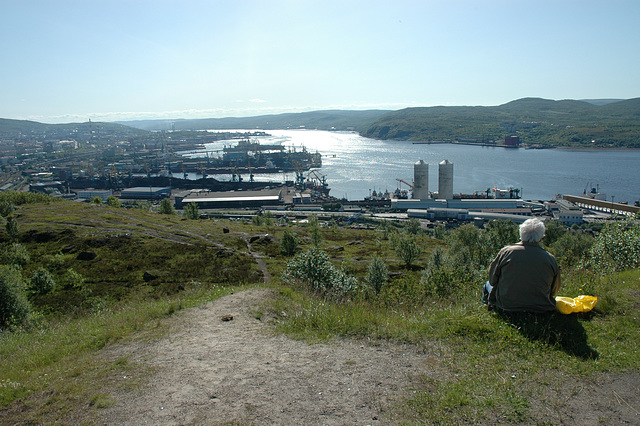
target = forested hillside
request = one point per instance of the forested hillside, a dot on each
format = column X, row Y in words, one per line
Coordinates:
column 536, row 121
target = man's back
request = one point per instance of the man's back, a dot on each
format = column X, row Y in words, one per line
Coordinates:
column 525, row 277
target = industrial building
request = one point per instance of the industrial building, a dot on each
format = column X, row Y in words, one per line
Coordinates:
column 231, row 199
column 444, row 206
column 146, row 193
column 89, row 194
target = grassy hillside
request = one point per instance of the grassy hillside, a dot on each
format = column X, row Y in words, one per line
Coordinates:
column 537, row 121
column 16, row 128
column 119, row 273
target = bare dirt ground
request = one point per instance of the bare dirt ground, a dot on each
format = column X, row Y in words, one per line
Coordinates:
column 221, row 365
column 214, row 369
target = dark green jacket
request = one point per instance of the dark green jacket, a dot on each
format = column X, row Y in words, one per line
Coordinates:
column 525, row 277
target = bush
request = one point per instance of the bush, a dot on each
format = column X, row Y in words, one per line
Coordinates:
column 113, row 201
column 289, row 243
column 191, row 211
column 377, row 274
column 407, row 248
column 617, row 247
column 571, row 248
column 41, row 282
column 166, row 207
column 14, row 254
column 6, row 208
column 316, row 236
column 312, row 269
column 12, row 228
column 413, row 226
column 14, row 306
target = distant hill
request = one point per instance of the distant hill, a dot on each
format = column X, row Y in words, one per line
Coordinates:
column 602, row 123
column 321, row 120
column 536, row 121
column 24, row 128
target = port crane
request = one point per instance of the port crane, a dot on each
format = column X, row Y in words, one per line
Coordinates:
column 405, row 182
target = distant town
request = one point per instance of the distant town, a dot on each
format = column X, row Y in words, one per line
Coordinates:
column 100, row 160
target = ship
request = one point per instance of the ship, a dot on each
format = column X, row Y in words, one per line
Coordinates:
column 248, row 157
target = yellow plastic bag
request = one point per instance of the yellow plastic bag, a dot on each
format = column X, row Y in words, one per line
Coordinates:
column 570, row 305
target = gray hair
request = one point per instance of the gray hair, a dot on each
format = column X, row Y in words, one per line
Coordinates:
column 532, row 230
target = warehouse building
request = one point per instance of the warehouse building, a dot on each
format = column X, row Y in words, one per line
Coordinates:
column 146, row 193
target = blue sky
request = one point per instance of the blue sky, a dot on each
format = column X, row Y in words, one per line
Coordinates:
column 67, row 61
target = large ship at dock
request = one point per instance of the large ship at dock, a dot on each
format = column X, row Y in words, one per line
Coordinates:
column 254, row 157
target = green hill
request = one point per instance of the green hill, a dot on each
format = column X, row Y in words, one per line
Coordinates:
column 536, row 121
column 24, row 128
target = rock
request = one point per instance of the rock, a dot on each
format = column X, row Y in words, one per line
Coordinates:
column 86, row 255
column 355, row 242
column 147, row 276
column 153, row 274
column 225, row 230
column 227, row 317
column 67, row 249
column 336, row 248
column 225, row 252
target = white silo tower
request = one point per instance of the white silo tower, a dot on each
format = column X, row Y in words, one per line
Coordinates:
column 421, row 180
column 445, row 180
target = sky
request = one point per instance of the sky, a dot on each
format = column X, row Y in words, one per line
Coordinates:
column 71, row 61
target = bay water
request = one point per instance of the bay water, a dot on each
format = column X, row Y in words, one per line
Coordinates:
column 355, row 166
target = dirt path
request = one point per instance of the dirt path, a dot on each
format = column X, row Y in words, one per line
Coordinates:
column 217, row 371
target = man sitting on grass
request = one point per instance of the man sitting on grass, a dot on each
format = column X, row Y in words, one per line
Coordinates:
column 523, row 277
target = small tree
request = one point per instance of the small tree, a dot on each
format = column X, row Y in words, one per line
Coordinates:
column 14, row 254
column 191, row 211
column 377, row 274
column 268, row 218
column 96, row 200
column 113, row 201
column 6, row 208
column 408, row 249
column 14, row 306
column 12, row 228
column 289, row 243
column 166, row 207
column 413, row 226
column 41, row 282
column 316, row 236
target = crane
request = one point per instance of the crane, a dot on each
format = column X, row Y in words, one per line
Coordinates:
column 405, row 182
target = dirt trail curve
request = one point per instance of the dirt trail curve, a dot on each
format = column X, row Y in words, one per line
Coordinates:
column 216, row 371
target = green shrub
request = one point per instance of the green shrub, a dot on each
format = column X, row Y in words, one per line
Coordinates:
column 407, row 248
column 19, row 198
column 316, row 236
column 14, row 254
column 191, row 211
column 113, row 201
column 289, row 243
column 6, row 208
column 257, row 220
column 12, row 228
column 413, row 226
column 166, row 207
column 41, row 282
column 14, row 306
column 617, row 247
column 571, row 248
column 313, row 269
column 377, row 274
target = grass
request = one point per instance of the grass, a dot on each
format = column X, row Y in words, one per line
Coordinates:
column 498, row 364
column 57, row 368
column 494, row 369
